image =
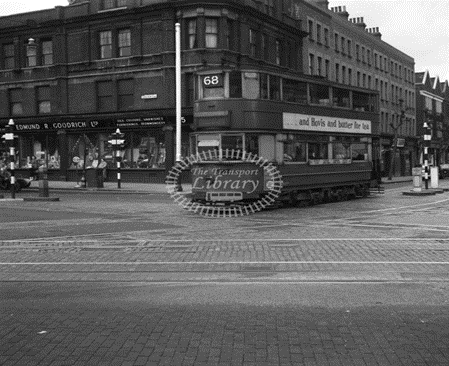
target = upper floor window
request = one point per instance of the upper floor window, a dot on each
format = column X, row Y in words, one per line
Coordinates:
column 43, row 100
column 8, row 56
column 47, row 52
column 310, row 23
column 336, row 41
column 191, row 34
column 105, row 100
column 15, row 102
column 252, row 42
column 278, row 52
column 31, row 55
column 264, row 46
column 111, row 4
column 326, row 37
column 211, row 33
column 106, row 44
column 230, row 34
column 125, row 90
column 318, row 33
column 124, row 42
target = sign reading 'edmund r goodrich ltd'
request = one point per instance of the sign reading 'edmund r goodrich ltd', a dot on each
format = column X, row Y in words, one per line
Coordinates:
column 304, row 122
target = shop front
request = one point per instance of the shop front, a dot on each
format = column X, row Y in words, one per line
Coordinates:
column 69, row 145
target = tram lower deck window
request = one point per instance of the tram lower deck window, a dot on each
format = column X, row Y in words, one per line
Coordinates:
column 318, row 150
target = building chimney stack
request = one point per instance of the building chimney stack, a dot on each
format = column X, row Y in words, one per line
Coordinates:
column 341, row 10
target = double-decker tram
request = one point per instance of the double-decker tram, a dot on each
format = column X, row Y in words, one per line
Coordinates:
column 321, row 137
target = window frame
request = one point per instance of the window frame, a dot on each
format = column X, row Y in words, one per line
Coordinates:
column 8, row 56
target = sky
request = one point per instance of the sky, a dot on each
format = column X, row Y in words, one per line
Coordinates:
column 419, row 28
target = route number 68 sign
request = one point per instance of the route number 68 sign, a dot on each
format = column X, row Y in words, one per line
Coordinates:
column 213, row 81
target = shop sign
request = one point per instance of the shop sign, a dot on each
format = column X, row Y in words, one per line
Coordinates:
column 61, row 125
column 149, row 96
column 304, row 122
column 141, row 121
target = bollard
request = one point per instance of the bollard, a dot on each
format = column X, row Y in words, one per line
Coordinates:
column 43, row 182
column 434, row 177
column 417, row 179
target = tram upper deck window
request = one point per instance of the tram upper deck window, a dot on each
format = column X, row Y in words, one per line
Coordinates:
column 319, row 94
column 362, row 102
column 213, row 86
column 341, row 98
column 294, row 91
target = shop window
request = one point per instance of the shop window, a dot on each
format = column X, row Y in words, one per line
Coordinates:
column 15, row 102
column 235, row 84
column 47, row 52
column 43, row 100
column 295, row 149
column 105, row 44
column 8, row 56
column 319, row 94
column 341, row 97
column 211, row 33
column 125, row 90
column 191, row 34
column 40, row 149
column 124, row 42
column 294, row 91
column 105, row 100
column 145, row 150
column 86, row 147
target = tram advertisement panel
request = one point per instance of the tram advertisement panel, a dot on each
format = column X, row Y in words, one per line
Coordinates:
column 229, row 182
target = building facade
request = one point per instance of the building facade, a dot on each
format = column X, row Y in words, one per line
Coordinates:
column 432, row 103
column 71, row 75
column 344, row 50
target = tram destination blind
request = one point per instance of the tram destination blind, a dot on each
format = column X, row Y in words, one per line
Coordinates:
column 213, row 81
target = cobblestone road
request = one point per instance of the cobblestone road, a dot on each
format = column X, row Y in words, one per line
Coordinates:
column 127, row 281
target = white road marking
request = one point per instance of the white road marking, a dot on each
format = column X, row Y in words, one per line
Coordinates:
column 208, row 262
column 47, row 240
column 404, row 207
